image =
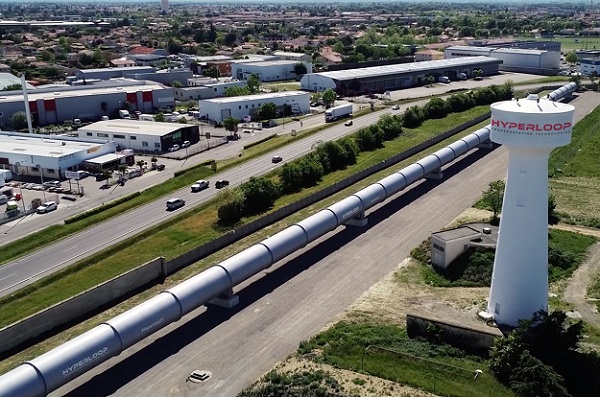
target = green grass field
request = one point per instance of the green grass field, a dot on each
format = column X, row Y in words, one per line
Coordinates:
column 437, row 368
column 572, row 43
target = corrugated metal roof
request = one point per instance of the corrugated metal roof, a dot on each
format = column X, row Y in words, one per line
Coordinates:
column 386, row 70
column 133, row 127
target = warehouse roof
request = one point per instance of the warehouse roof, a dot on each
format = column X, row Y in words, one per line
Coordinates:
column 119, row 70
column 7, row 79
column 42, row 145
column 105, row 158
column 6, row 97
column 270, row 63
column 289, row 54
column 120, row 126
column 492, row 50
column 272, row 95
column 413, row 67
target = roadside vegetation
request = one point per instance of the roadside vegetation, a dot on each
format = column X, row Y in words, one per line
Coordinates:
column 566, row 251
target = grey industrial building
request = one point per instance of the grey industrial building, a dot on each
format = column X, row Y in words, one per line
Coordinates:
column 59, row 103
column 272, row 70
column 48, row 156
column 219, row 109
column 545, row 45
column 163, row 76
column 378, row 79
column 513, row 59
column 141, row 136
column 205, row 89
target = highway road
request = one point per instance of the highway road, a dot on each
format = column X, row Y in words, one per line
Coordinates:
column 296, row 298
column 19, row 273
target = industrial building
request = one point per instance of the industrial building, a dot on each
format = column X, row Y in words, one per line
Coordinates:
column 292, row 56
column 589, row 66
column 274, row 70
column 141, row 136
column 378, row 79
column 48, row 156
column 57, row 104
column 219, row 109
column 210, row 88
column 524, row 45
column 513, row 59
column 163, row 76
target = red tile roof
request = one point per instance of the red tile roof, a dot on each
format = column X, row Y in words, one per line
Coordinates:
column 141, row 50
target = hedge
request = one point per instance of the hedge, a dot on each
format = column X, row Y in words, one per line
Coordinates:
column 101, row 208
column 248, row 146
column 194, row 167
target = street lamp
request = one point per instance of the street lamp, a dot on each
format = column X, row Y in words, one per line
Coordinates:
column 42, row 176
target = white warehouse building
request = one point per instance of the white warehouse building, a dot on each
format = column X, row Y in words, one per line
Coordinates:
column 218, row 109
column 48, row 156
column 273, row 70
column 513, row 59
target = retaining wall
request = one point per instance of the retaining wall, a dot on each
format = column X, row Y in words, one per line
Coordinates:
column 82, row 304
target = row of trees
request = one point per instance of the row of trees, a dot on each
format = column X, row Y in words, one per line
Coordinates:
column 259, row 194
column 438, row 108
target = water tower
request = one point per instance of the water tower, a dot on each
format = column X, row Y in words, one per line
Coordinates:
column 529, row 128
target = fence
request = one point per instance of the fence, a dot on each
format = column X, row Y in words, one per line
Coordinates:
column 78, row 306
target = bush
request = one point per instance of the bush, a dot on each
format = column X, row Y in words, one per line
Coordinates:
column 260, row 194
column 233, row 205
column 413, row 117
column 194, row 167
column 290, row 177
column 436, row 108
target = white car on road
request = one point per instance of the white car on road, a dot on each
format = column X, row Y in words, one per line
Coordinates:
column 47, row 207
column 199, row 185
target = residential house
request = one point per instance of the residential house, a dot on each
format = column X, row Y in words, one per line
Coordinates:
column 428, row 55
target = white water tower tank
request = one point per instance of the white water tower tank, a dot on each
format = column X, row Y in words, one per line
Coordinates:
column 529, row 128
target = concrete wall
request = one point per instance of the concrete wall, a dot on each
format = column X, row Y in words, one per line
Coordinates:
column 472, row 339
column 33, row 326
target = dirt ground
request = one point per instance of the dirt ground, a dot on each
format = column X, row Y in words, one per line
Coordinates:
column 403, row 291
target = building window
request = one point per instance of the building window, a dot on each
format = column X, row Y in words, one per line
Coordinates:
column 240, row 107
column 246, row 106
column 144, row 144
column 89, row 134
column 156, row 144
column 102, row 135
column 119, row 136
column 132, row 137
column 50, row 171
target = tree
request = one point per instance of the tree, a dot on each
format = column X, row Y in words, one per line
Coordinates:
column 18, row 120
column 430, row 80
column 213, row 72
column 236, row 91
column 532, row 378
column 493, row 197
column 159, row 117
column 232, row 205
column 571, row 58
column 253, row 84
column 477, row 73
column 291, row 177
column 552, row 218
column 260, row 194
column 231, row 124
column 300, row 69
column 13, row 87
column 267, row 111
column 329, row 97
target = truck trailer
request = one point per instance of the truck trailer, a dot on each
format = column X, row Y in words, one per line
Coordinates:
column 338, row 112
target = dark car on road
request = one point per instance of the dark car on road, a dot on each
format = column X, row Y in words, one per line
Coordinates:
column 221, row 183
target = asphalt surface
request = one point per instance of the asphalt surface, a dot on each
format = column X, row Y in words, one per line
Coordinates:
column 19, row 273
column 299, row 296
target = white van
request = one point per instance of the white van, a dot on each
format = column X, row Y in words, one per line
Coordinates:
column 443, row 79
column 174, row 203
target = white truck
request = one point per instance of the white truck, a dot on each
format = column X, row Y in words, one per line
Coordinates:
column 338, row 112
column 146, row 117
column 124, row 114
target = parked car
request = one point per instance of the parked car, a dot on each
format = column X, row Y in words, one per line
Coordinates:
column 396, row 107
column 348, row 123
column 221, row 183
column 47, row 207
column 276, row 159
column 52, row 184
column 199, row 185
column 247, row 131
column 174, row 148
column 186, row 144
column 174, row 203
column 160, row 167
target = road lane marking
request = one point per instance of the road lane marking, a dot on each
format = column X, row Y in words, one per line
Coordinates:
column 4, row 278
